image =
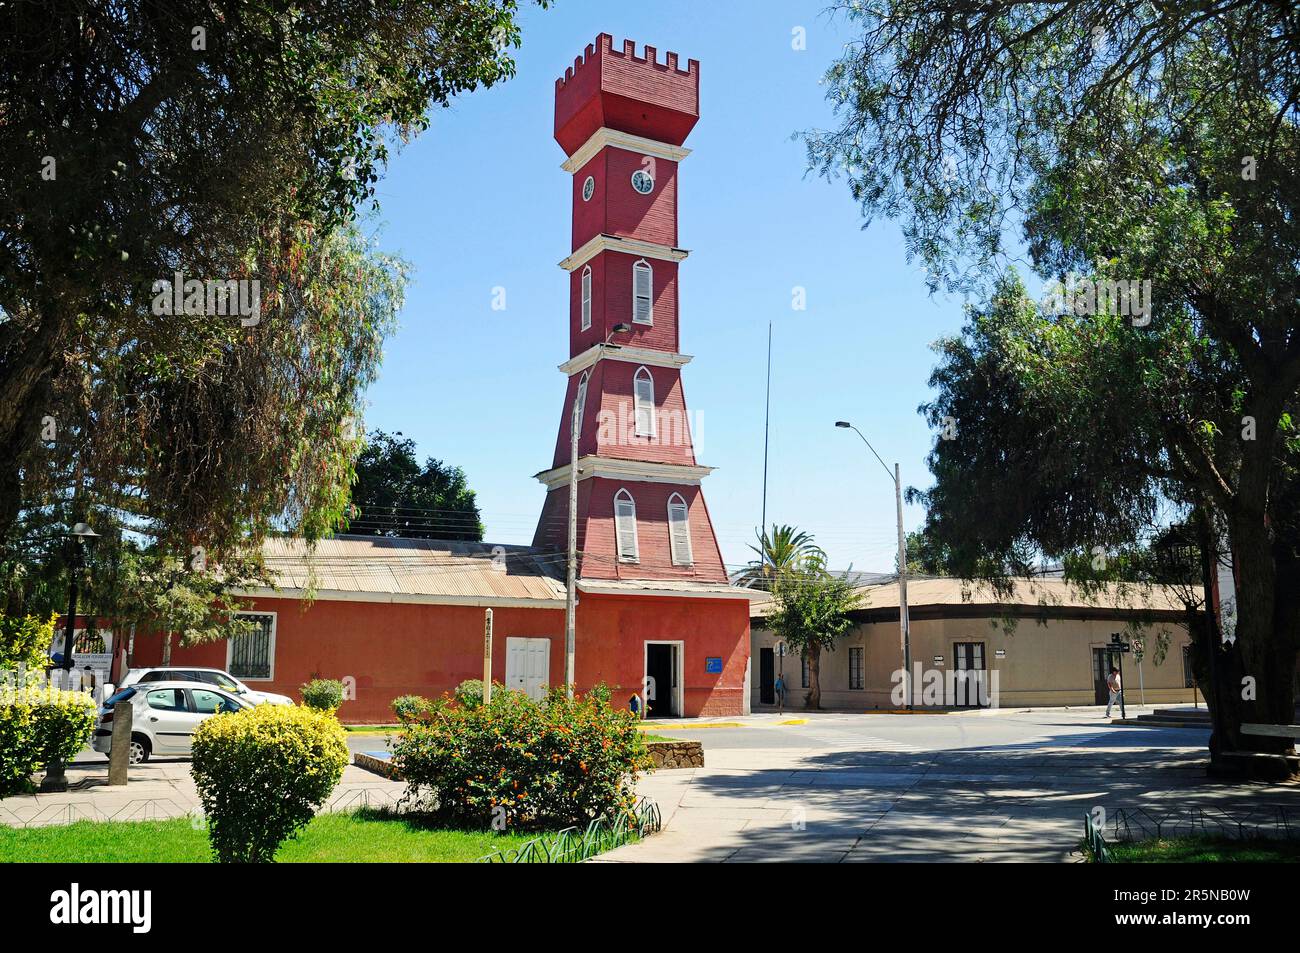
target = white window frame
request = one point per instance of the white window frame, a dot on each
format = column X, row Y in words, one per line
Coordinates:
column 651, row 429
column 678, row 558
column 230, row 647
column 585, row 282
column 639, row 266
column 624, row 497
column 580, row 398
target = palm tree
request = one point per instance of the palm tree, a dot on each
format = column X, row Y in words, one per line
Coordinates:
column 785, row 549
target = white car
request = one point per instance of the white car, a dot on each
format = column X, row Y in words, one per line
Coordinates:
column 210, row 676
column 164, row 716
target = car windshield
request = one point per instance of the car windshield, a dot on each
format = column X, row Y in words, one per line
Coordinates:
column 221, row 680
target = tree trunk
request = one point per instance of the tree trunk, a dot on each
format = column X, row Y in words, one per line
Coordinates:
column 813, row 700
column 167, row 649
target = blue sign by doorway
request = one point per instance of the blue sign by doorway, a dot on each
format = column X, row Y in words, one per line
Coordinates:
column 713, row 665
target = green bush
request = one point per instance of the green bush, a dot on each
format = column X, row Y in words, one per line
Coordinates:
column 520, row 763
column 25, row 642
column 469, row 693
column 325, row 694
column 262, row 774
column 410, row 708
column 39, row 725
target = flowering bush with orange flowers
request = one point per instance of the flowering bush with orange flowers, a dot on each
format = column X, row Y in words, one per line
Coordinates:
column 518, row 763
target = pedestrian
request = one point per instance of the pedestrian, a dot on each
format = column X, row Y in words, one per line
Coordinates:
column 634, row 705
column 1113, row 684
column 780, row 693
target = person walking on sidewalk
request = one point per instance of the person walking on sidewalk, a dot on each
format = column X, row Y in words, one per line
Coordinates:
column 1112, row 683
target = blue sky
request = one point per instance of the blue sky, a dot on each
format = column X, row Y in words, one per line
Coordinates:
column 479, row 202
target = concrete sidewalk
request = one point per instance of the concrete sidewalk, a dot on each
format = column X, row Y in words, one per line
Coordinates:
column 1021, row 795
column 159, row 790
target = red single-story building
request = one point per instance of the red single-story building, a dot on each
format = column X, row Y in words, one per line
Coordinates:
column 391, row 617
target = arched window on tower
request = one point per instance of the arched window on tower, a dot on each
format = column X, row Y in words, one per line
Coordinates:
column 625, row 526
column 679, row 531
column 586, row 297
column 642, row 293
column 643, row 402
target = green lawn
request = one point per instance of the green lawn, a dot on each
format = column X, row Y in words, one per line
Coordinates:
column 1205, row 850
column 647, row 737
column 361, row 836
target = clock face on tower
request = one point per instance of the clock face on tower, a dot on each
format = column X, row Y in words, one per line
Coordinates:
column 588, row 189
column 642, row 182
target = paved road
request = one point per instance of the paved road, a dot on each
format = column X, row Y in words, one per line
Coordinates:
column 1011, row 786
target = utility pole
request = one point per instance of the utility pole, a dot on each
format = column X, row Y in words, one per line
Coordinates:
column 767, row 424
column 571, row 582
column 571, row 586
column 904, row 621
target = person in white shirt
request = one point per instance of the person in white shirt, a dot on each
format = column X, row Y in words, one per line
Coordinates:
column 1112, row 682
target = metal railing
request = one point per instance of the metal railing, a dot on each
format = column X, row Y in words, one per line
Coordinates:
column 574, row 845
column 1130, row 825
column 1094, row 841
column 1265, row 822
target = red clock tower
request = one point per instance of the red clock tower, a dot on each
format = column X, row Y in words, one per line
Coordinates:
column 621, row 120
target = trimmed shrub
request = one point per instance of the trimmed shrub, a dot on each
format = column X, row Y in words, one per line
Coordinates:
column 25, row 642
column 520, row 763
column 410, row 708
column 325, row 694
column 39, row 725
column 262, row 774
column 469, row 693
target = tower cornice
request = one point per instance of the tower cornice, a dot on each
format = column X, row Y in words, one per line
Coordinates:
column 604, row 136
column 631, row 355
column 635, row 471
column 628, row 246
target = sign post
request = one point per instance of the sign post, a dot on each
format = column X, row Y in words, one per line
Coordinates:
column 487, row 656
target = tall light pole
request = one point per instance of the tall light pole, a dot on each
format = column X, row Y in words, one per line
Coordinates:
column 904, row 624
column 571, row 585
column 81, row 535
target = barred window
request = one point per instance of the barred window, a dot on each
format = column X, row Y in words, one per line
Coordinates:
column 855, row 667
column 252, row 655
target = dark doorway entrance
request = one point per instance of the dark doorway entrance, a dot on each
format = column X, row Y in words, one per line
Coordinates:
column 970, row 690
column 767, row 676
column 661, row 666
column 1103, row 660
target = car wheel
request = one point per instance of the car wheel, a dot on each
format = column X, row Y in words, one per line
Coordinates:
column 139, row 750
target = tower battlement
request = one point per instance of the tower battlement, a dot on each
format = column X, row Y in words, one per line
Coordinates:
column 635, row 94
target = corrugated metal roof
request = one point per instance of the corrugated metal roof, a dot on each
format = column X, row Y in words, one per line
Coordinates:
column 1046, row 593
column 378, row 565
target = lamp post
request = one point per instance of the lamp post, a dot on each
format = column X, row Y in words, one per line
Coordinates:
column 81, row 535
column 571, row 583
column 904, row 624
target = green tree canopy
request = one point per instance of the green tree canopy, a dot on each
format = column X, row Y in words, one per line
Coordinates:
column 395, row 496
column 142, row 139
column 1133, row 143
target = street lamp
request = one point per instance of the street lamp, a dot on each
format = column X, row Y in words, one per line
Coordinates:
column 82, row 535
column 904, row 624
column 571, row 585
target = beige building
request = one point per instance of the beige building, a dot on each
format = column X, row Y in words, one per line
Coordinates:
column 1045, row 644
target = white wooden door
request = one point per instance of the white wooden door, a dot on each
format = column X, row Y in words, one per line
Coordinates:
column 528, row 665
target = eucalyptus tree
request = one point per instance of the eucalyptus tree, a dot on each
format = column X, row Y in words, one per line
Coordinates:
column 1136, row 146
